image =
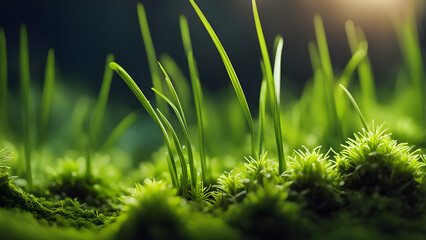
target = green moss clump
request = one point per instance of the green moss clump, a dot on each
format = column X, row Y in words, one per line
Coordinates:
column 373, row 162
column 311, row 177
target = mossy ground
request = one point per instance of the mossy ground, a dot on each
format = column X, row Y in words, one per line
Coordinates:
column 372, row 189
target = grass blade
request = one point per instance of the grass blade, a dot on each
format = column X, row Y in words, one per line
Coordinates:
column 353, row 63
column 145, row 103
column 152, row 57
column 198, row 99
column 25, row 98
column 262, row 114
column 97, row 120
column 274, row 99
column 231, row 72
column 46, row 101
column 197, row 92
column 4, row 121
column 327, row 70
column 277, row 67
column 361, row 117
column 184, row 167
column 185, row 131
column 120, row 129
column 179, row 79
column 365, row 74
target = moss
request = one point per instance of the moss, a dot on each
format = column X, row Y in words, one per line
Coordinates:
column 311, row 176
column 373, row 162
column 13, row 198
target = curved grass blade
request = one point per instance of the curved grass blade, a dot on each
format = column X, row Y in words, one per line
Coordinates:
column 231, row 72
column 179, row 150
column 274, row 100
column 184, row 128
column 179, row 79
column 353, row 63
column 25, row 98
column 120, row 129
column 4, row 120
column 262, row 114
column 152, row 57
column 49, row 85
column 145, row 103
column 361, row 117
column 97, row 119
column 277, row 67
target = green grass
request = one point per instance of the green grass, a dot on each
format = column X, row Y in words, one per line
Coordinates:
column 25, row 101
column 197, row 93
column 152, row 57
column 273, row 86
column 47, row 96
column 232, row 75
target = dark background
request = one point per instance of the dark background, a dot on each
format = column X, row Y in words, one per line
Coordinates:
column 84, row 32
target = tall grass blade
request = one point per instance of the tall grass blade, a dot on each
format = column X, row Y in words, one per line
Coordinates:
column 334, row 123
column 178, row 146
column 354, row 62
column 185, row 131
column 274, row 100
column 25, row 98
column 198, row 99
column 152, row 57
column 179, row 79
column 145, row 103
column 120, row 129
column 361, row 117
column 262, row 114
column 277, row 67
column 4, row 119
column 231, row 72
column 197, row 92
column 46, row 101
column 355, row 37
column 97, row 119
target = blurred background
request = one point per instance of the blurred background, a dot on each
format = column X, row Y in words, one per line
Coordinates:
column 82, row 33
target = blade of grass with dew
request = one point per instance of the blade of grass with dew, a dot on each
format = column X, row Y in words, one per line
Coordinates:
column 179, row 150
column 262, row 114
column 197, row 91
column 361, row 117
column 198, row 99
column 97, row 119
column 231, row 72
column 152, row 57
column 25, row 99
column 274, row 100
column 355, row 35
column 334, row 123
column 145, row 103
column 185, row 131
column 119, row 130
column 47, row 96
column 179, row 79
column 4, row 120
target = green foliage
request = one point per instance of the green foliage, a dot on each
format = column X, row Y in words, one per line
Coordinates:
column 231, row 72
column 25, row 100
column 373, row 162
column 311, row 177
column 273, row 86
column 48, row 90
